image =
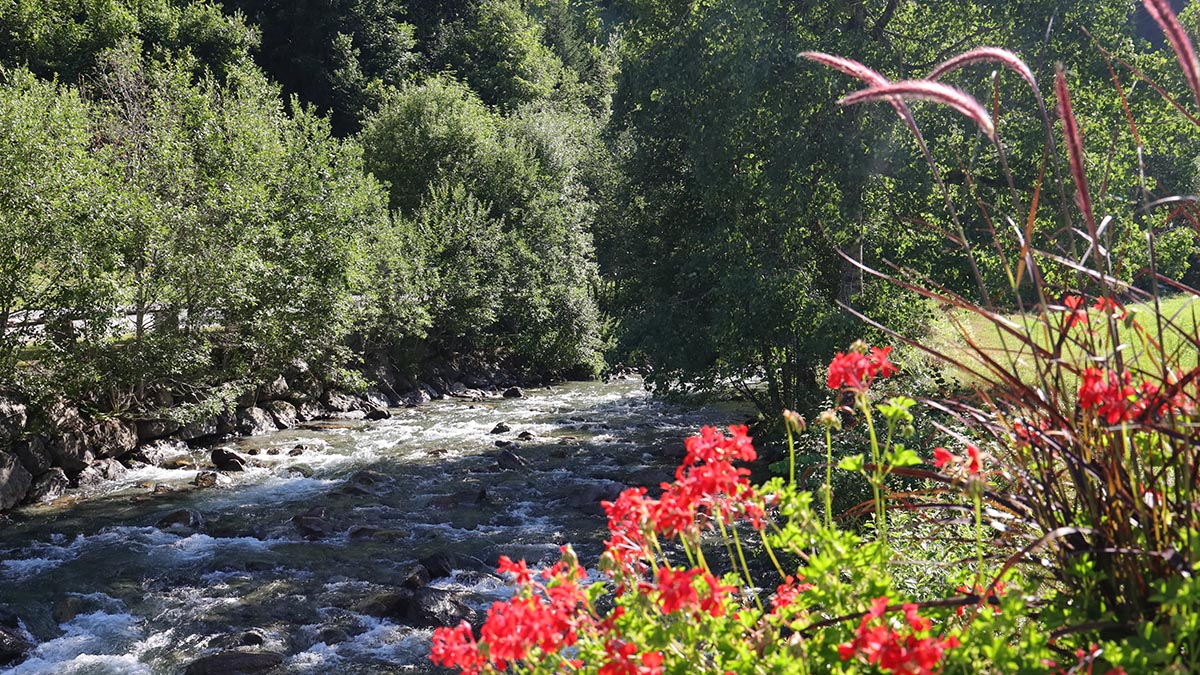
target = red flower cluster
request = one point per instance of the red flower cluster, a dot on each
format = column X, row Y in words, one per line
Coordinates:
column 706, row 486
column 1109, row 392
column 986, row 595
column 1074, row 305
column 543, row 617
column 677, row 591
column 857, row 369
column 1116, row 400
column 892, row 650
column 621, row 660
column 787, row 593
column 971, row 464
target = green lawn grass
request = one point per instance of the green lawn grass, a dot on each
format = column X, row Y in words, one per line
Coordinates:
column 966, row 337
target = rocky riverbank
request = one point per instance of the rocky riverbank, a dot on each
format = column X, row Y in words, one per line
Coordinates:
column 47, row 449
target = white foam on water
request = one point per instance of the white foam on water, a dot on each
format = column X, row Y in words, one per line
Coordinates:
column 319, row 658
column 383, row 640
column 99, row 642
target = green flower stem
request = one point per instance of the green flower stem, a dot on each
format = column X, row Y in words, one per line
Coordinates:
column 742, row 556
column 977, row 497
column 771, row 555
column 791, row 456
column 828, row 478
column 877, row 473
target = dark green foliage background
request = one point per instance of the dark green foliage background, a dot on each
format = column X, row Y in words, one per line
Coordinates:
column 210, row 191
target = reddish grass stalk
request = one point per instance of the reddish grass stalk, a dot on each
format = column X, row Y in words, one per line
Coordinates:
column 1161, row 12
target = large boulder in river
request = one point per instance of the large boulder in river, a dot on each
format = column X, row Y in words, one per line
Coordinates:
column 14, row 480
column 151, row 430
column 274, row 389
column 12, row 421
column 14, row 644
column 181, row 519
column 227, row 460
column 234, row 663
column 112, row 438
column 424, row 607
column 282, row 412
column 48, row 486
column 71, row 451
column 198, row 429
column 34, row 455
column 99, row 471
column 339, row 402
column 254, row 421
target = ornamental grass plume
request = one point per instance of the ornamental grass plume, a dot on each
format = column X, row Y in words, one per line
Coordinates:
column 1089, row 407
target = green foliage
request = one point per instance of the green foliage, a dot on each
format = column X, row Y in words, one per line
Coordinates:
column 499, row 202
column 46, row 202
column 498, row 50
column 186, row 228
column 64, row 37
column 339, row 56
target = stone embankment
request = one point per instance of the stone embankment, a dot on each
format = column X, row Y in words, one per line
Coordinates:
column 48, row 449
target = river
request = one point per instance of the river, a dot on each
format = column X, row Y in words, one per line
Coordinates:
column 106, row 588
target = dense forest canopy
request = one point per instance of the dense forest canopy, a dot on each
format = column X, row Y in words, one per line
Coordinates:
column 199, row 192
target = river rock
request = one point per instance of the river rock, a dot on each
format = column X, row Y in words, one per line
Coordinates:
column 430, row 391
column 254, row 421
column 367, row 482
column 99, row 471
column 332, row 635
column 433, row 607
column 227, row 460
column 415, row 398
column 208, row 479
column 511, row 461
column 525, row 436
column 275, row 389
column 309, row 410
column 34, row 455
column 71, row 451
column 181, row 519
column 514, row 392
column 501, row 428
column 282, row 412
column 377, row 399
column 313, row 524
column 377, row 414
column 587, row 496
column 302, row 470
column 48, row 486
column 14, row 644
column 15, row 480
column 113, row 438
column 339, row 402
column 234, row 663
column 13, row 417
column 443, row 564
column 424, row 607
column 150, row 430
column 199, row 429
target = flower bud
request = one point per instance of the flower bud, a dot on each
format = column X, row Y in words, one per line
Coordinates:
column 829, row 419
column 795, row 422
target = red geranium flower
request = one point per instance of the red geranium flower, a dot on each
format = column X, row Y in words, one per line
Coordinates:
column 857, row 369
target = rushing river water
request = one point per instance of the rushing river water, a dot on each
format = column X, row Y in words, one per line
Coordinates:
column 105, row 589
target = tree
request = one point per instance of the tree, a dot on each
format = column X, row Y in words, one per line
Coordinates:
column 45, row 203
column 743, row 174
